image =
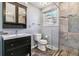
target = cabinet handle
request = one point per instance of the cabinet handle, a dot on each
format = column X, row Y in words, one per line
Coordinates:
column 27, row 47
column 12, row 44
column 12, row 53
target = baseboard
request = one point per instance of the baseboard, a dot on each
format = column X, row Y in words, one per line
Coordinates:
column 55, row 48
column 52, row 47
column 33, row 46
column 48, row 46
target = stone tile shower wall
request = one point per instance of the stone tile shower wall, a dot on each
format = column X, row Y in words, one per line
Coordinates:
column 68, row 39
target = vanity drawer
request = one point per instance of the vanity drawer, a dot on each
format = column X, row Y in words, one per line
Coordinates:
column 18, row 47
column 17, row 42
column 29, row 40
column 17, row 52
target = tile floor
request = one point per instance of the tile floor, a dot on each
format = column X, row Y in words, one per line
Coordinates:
column 49, row 52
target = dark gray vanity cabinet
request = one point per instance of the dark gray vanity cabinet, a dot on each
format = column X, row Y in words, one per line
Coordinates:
column 17, row 47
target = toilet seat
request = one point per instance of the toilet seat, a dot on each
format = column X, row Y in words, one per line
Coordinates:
column 43, row 41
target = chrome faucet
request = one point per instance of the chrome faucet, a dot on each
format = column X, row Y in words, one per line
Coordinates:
column 16, row 32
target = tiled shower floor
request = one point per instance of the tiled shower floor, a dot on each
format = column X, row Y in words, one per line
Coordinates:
column 49, row 52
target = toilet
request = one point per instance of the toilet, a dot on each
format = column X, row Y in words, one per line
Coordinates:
column 40, row 42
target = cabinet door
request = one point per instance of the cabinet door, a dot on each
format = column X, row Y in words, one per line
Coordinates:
column 10, row 16
column 17, row 47
column 14, row 15
column 17, row 52
column 21, row 15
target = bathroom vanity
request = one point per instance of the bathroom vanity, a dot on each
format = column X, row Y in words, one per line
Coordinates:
column 16, row 45
column 13, row 16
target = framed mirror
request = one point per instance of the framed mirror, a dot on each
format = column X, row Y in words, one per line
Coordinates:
column 21, row 15
column 14, row 15
column 10, row 13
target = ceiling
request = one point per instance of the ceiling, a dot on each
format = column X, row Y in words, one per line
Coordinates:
column 40, row 4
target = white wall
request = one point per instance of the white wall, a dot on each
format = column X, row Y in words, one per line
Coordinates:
column 0, row 16
column 33, row 18
column 0, row 28
column 33, row 21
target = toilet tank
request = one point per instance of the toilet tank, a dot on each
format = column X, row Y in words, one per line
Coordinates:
column 37, row 37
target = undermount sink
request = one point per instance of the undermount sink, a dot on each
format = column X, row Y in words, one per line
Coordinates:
column 23, row 34
column 5, row 37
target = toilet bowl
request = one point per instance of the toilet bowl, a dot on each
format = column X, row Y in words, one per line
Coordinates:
column 40, row 42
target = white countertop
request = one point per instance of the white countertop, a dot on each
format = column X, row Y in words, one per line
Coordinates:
column 13, row 36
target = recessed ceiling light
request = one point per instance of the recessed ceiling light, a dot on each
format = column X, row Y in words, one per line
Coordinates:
column 41, row 4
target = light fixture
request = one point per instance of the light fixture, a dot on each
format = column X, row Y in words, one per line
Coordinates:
column 44, row 3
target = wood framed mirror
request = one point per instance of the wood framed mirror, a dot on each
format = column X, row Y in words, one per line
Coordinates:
column 10, row 12
column 14, row 15
column 21, row 15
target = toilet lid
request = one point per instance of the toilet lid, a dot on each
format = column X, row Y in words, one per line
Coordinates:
column 43, row 41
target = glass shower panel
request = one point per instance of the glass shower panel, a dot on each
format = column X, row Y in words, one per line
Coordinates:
column 73, row 23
